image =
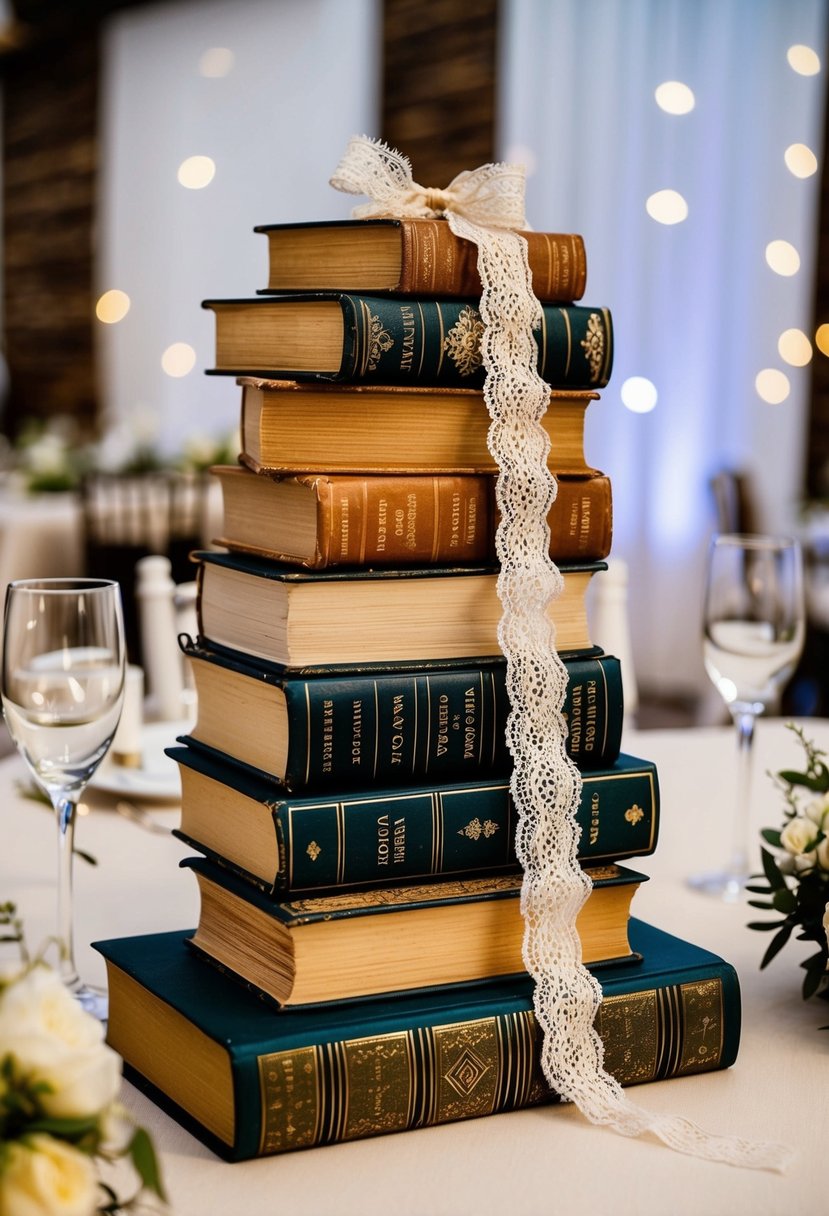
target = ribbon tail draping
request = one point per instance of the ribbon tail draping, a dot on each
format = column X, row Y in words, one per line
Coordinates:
column 546, row 784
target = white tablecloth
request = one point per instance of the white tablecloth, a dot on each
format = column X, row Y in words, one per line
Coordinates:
column 536, row 1161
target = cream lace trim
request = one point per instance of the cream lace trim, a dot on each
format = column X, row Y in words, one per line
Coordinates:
column 481, row 206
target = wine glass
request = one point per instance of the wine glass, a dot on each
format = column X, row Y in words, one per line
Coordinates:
column 62, row 689
column 753, row 628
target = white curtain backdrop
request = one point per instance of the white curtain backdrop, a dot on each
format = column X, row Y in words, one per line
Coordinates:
column 696, row 308
column 304, row 77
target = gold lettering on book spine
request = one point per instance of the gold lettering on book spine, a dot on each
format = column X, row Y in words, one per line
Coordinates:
column 290, row 1100
column 379, row 1082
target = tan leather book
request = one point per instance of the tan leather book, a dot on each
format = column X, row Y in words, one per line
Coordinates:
column 323, row 520
column 409, row 256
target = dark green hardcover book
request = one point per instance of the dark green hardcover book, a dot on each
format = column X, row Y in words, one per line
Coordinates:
column 361, row 339
column 250, row 1082
column 352, row 617
column 390, row 940
column 294, row 844
column 339, row 730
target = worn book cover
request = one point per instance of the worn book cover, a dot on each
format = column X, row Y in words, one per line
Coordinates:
column 249, row 1083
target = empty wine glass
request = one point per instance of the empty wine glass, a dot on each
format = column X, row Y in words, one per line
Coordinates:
column 753, row 628
column 62, row 689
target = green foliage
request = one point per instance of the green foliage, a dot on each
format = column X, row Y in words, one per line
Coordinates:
column 796, row 884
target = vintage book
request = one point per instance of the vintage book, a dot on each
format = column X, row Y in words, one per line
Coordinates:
column 299, row 844
column 351, row 728
column 249, row 1083
column 409, row 256
column 389, row 939
column 321, row 617
column 323, row 520
column 289, row 427
column 329, row 335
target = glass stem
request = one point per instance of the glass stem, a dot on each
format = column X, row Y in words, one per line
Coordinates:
column 65, row 810
column 744, row 722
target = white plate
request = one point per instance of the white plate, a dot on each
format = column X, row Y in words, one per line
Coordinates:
column 158, row 776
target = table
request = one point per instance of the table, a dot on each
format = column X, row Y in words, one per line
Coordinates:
column 528, row 1162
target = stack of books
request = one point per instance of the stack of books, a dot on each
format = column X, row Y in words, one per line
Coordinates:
column 357, row 964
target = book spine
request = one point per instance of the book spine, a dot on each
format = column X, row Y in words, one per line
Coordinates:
column 418, row 341
column 326, row 1093
column 435, row 262
column 387, row 837
column 436, row 726
column 389, row 521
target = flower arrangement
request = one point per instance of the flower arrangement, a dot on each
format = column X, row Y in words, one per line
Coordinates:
column 60, row 1122
column 796, row 867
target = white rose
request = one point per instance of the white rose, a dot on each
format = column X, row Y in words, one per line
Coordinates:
column 53, row 1040
column 822, row 853
column 817, row 810
column 797, row 835
column 46, row 1177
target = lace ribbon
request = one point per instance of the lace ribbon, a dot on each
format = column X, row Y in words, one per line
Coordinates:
column 482, row 206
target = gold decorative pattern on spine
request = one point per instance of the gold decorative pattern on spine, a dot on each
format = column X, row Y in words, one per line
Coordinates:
column 290, row 1100
column 380, row 342
column 634, row 814
column 593, row 345
column 466, row 1069
column 463, row 341
column 313, row 850
column 474, row 830
column 703, row 1014
column 379, row 1084
column 629, row 1028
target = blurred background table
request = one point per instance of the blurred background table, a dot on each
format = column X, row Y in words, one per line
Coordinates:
column 533, row 1161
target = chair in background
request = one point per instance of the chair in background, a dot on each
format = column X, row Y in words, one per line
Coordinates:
column 127, row 518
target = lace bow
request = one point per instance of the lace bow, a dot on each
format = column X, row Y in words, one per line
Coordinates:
column 485, row 206
column 491, row 196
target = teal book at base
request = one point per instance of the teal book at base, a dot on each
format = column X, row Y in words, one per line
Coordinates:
column 250, row 1081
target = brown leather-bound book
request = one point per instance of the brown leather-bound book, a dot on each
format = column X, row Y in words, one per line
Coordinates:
column 322, row 520
column 289, row 426
column 410, row 257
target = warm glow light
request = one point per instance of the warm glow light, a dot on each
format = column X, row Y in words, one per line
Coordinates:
column 113, row 306
column 639, row 394
column 667, row 207
column 782, row 257
column 822, row 338
column 803, row 60
column 772, row 386
column 218, row 61
column 794, row 347
column 196, row 172
column 800, row 160
column 178, row 359
column 674, row 97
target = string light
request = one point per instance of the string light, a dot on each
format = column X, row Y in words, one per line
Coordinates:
column 794, row 347
column 782, row 257
column 639, row 394
column 772, row 385
column 112, row 306
column 667, row 207
column 196, row 172
column 178, row 359
column 674, row 97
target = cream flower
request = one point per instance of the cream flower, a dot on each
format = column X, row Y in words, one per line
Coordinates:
column 52, row 1040
column 42, row 1176
column 818, row 811
column 797, row 835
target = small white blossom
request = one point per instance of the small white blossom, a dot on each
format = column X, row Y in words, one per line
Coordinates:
column 52, row 1040
column 797, row 835
column 43, row 1176
column 818, row 811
